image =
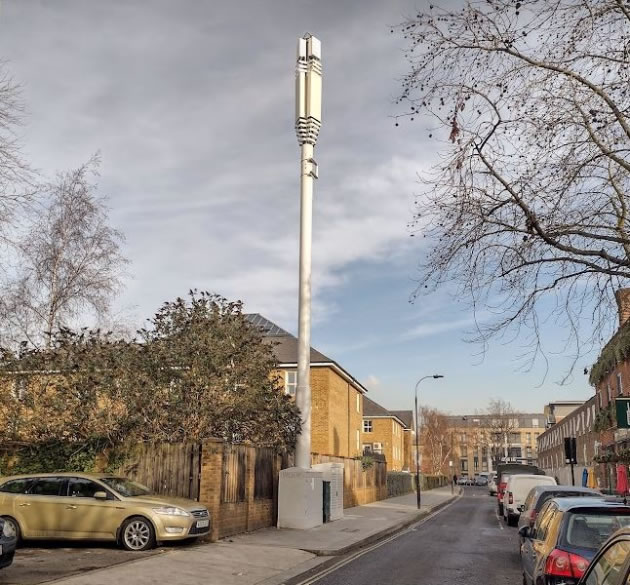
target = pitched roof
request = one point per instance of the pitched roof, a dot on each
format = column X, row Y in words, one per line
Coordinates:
column 404, row 415
column 285, row 348
column 268, row 328
column 371, row 408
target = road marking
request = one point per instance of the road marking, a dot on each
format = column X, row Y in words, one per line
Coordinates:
column 496, row 513
column 345, row 561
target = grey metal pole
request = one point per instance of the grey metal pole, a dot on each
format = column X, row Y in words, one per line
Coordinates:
column 303, row 389
column 308, row 105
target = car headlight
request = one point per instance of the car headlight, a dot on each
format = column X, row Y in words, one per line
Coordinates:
column 170, row 511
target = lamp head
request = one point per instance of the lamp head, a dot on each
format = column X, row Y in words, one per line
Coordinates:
column 436, row 376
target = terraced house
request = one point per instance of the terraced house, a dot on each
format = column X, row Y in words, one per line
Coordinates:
column 337, row 397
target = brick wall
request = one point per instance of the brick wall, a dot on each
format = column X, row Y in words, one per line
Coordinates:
column 390, row 433
column 234, row 518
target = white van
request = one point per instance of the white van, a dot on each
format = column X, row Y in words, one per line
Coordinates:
column 516, row 492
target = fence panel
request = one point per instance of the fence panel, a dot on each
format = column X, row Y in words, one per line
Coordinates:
column 170, row 469
column 263, row 473
column 234, row 469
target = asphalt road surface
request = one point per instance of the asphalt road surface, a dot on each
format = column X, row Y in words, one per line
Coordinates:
column 465, row 544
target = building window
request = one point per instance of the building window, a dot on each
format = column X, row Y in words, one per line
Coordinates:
column 464, row 451
column 367, row 426
column 358, row 402
column 609, row 393
column 377, row 447
column 463, row 437
column 599, row 401
column 476, row 463
column 534, row 422
column 367, row 448
column 619, row 385
column 484, row 465
column 358, row 440
column 464, row 464
column 290, row 382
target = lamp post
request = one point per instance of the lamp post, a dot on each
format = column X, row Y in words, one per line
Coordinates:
column 308, row 116
column 418, row 497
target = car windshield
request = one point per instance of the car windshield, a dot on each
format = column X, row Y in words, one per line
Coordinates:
column 125, row 487
column 591, row 529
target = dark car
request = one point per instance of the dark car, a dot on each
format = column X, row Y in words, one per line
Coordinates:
column 565, row 538
column 8, row 542
column 611, row 565
column 541, row 494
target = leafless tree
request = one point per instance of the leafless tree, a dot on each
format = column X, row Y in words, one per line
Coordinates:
column 502, row 422
column 528, row 211
column 436, row 438
column 70, row 260
column 16, row 176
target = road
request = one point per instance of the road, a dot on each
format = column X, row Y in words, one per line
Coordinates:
column 465, row 544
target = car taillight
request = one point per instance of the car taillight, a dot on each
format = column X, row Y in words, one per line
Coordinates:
column 510, row 498
column 563, row 564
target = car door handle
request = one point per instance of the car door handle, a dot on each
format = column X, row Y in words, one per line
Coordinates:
column 71, row 507
column 24, row 505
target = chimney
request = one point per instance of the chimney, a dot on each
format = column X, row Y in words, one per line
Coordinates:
column 623, row 303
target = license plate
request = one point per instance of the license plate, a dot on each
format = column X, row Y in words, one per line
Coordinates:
column 203, row 523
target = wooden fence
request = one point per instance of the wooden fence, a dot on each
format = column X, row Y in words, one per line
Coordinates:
column 172, row 469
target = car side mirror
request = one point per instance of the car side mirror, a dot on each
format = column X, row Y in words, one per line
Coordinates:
column 100, row 495
column 524, row 531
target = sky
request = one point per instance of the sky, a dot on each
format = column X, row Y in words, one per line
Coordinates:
column 191, row 107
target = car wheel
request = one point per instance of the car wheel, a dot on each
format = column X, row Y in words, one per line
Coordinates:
column 511, row 520
column 12, row 528
column 137, row 534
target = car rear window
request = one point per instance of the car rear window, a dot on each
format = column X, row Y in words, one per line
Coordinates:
column 15, row 486
column 547, row 495
column 47, row 486
column 591, row 529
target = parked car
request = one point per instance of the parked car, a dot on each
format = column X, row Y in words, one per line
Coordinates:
column 607, row 568
column 78, row 506
column 492, row 485
column 462, row 480
column 506, row 469
column 516, row 492
column 482, row 480
column 8, row 542
column 501, row 485
column 541, row 494
column 566, row 536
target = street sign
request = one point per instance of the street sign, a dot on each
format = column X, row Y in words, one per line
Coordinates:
column 623, row 413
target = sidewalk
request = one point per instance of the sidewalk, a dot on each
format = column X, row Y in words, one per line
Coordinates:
column 359, row 526
column 269, row 556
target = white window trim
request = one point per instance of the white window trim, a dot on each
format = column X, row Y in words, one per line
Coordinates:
column 286, row 382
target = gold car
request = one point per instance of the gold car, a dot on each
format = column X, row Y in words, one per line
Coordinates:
column 79, row 506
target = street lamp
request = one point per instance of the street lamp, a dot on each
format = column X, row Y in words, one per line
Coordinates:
column 435, row 376
column 308, row 121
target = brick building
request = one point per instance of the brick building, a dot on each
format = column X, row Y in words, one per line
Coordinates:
column 479, row 445
column 336, row 396
column 409, row 438
column 579, row 423
column 384, row 432
column 610, row 375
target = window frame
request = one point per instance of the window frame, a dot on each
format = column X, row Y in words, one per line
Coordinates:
column 63, row 487
column 619, row 379
column 288, row 384
column 368, row 427
column 101, row 488
column 27, row 480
